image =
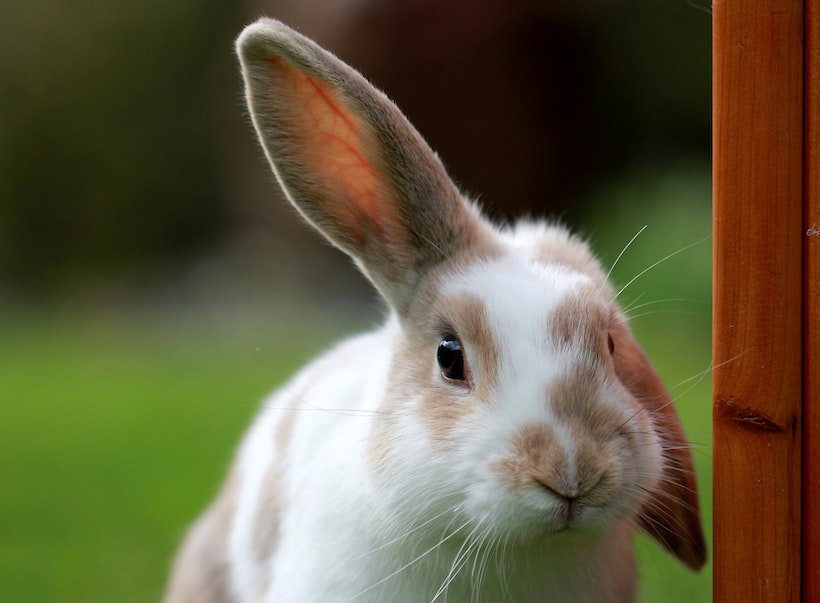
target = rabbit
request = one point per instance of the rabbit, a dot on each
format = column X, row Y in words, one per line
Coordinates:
column 501, row 437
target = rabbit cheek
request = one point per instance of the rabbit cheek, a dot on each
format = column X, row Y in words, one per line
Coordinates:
column 616, row 430
column 441, row 405
column 437, row 415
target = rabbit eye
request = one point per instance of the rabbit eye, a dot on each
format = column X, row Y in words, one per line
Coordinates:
column 610, row 343
column 451, row 359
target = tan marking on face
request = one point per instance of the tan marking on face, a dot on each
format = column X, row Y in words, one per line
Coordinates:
column 577, row 400
column 415, row 374
column 201, row 569
column 580, row 326
column 269, row 509
column 447, row 403
column 581, row 321
column 440, row 406
column 535, row 457
column 473, row 328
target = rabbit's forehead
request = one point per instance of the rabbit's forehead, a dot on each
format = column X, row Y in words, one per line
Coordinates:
column 520, row 296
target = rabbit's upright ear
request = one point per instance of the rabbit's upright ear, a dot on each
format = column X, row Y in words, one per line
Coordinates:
column 671, row 515
column 349, row 160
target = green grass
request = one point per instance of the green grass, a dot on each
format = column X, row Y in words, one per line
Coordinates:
column 114, row 436
column 116, row 432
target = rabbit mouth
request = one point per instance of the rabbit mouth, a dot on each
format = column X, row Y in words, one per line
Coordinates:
column 569, row 509
column 572, row 515
column 540, row 516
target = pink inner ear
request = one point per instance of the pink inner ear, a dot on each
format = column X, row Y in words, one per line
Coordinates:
column 333, row 143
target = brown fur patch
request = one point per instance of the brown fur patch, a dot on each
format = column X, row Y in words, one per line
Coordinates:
column 415, row 371
column 581, row 321
column 536, row 456
column 470, row 317
column 559, row 246
column 447, row 403
column 581, row 324
column 201, row 570
column 269, row 511
column 576, row 401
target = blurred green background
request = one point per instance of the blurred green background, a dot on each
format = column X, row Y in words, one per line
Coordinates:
column 154, row 285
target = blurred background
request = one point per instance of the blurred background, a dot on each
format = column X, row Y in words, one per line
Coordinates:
column 154, row 285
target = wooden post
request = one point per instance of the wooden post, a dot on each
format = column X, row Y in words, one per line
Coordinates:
column 759, row 234
column 811, row 379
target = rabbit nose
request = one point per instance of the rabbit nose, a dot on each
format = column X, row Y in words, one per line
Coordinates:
column 574, row 497
column 570, row 469
column 569, row 491
column 568, row 511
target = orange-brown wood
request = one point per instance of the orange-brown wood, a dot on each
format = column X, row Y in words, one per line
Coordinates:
column 811, row 343
column 758, row 291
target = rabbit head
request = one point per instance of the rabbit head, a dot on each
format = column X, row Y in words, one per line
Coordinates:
column 515, row 391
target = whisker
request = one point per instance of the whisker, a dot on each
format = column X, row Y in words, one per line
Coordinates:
column 663, row 510
column 634, row 306
column 678, row 312
column 631, row 304
column 482, row 560
column 501, row 565
column 617, row 259
column 460, row 560
column 407, row 533
column 661, row 261
column 412, row 561
column 662, row 479
column 345, row 412
column 699, row 376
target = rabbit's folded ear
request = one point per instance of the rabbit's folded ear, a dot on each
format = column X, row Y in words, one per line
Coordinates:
column 671, row 515
column 348, row 159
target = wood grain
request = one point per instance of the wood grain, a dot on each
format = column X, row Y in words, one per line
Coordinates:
column 811, row 343
column 758, row 291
